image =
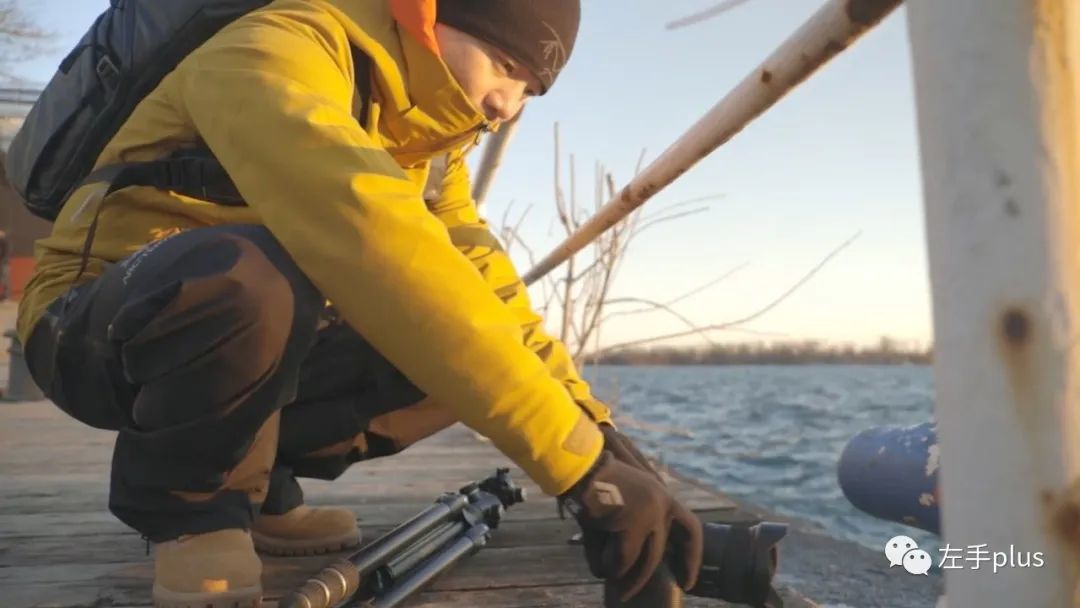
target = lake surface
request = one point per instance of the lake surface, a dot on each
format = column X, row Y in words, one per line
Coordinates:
column 771, row 435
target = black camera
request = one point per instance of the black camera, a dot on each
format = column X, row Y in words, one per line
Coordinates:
column 738, row 564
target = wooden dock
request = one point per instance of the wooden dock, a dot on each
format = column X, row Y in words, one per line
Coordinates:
column 60, row 547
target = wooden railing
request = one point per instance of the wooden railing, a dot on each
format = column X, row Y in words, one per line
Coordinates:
column 19, row 96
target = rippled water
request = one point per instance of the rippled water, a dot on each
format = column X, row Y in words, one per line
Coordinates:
column 771, row 434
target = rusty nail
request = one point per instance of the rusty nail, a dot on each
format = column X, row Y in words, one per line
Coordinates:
column 1016, row 326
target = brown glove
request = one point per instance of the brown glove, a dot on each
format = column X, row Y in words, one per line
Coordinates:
column 624, row 450
column 630, row 519
column 594, row 540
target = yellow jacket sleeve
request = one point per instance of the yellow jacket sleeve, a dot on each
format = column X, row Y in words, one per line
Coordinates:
column 272, row 98
column 472, row 236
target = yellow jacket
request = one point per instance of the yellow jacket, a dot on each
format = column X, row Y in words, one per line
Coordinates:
column 272, row 95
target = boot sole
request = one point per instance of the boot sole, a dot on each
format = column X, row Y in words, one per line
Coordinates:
column 246, row 597
column 308, row 546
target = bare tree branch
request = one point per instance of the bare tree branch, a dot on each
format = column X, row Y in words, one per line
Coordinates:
column 594, row 322
column 806, row 277
column 582, row 295
column 612, row 255
column 692, row 201
column 593, row 265
column 560, row 198
column 654, row 305
column 516, row 232
column 682, row 297
column 637, row 168
column 694, row 292
column 628, row 421
column 504, row 224
column 568, row 294
column 597, row 288
column 20, row 37
column 15, row 26
column 549, row 297
column 667, row 218
column 700, row 16
column 513, row 236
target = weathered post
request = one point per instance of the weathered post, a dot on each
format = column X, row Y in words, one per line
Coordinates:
column 998, row 93
column 833, row 28
column 494, row 150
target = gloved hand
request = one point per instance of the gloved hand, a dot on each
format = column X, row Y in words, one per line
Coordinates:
column 628, row 519
column 624, row 450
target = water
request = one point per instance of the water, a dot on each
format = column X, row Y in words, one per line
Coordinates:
column 771, row 435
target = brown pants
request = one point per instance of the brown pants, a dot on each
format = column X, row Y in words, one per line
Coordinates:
column 227, row 377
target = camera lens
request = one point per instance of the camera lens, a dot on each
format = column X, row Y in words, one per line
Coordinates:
column 739, row 562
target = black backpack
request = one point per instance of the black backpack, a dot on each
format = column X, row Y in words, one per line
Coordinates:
column 129, row 49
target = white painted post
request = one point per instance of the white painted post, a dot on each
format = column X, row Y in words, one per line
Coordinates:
column 833, row 28
column 998, row 93
column 494, row 150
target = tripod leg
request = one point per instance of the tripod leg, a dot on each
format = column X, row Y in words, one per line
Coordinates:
column 475, row 538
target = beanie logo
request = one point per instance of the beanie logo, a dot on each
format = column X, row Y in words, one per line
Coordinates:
column 554, row 53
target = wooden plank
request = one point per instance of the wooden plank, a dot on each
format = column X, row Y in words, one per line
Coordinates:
column 563, row 596
column 419, row 475
column 20, row 496
column 506, row 567
column 60, row 547
column 549, row 596
column 68, row 523
column 513, row 571
column 127, row 546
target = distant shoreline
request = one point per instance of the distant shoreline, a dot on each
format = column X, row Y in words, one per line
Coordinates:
column 886, row 352
column 758, row 363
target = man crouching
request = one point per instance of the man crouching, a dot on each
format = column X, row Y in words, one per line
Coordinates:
column 335, row 315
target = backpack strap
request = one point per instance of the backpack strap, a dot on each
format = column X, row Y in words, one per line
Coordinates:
column 191, row 172
column 364, row 85
column 195, row 172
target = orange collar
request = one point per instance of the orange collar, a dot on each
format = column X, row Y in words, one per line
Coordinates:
column 418, row 19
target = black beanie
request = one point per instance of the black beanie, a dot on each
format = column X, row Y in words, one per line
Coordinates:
column 537, row 33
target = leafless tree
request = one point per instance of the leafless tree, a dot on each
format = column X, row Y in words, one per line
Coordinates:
column 20, row 37
column 703, row 330
column 580, row 296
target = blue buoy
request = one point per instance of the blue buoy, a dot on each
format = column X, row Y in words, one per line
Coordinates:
column 892, row 474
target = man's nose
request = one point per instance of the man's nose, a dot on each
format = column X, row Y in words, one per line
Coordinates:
column 503, row 105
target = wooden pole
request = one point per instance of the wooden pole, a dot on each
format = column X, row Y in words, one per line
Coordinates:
column 832, row 29
column 998, row 88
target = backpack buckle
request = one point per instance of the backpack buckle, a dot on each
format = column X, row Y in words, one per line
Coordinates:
column 171, row 175
column 107, row 72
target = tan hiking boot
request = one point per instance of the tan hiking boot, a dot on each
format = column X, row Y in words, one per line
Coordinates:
column 213, row 570
column 306, row 531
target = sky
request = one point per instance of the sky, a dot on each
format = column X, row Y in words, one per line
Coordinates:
column 837, row 157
